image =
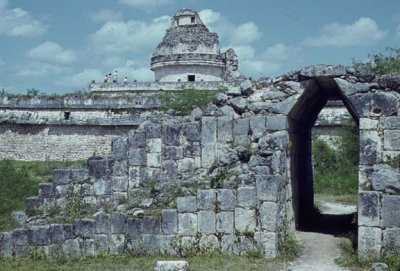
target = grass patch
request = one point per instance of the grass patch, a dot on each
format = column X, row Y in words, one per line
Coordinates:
column 19, row 180
column 126, row 262
column 344, row 199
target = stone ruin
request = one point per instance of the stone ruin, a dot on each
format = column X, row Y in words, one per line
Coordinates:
column 236, row 177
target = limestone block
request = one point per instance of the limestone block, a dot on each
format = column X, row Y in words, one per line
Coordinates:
column 385, row 178
column 187, row 245
column 61, row 176
column 165, row 244
column 323, row 70
column 172, row 152
column 268, row 215
column 353, row 88
column 239, row 104
column 368, row 209
column 192, row 131
column 153, row 130
column 134, row 177
column 269, row 187
column 20, row 239
column 154, row 159
column 84, row 227
column 100, row 168
column 369, row 243
column 116, row 244
column 137, row 140
column 226, row 199
column 245, row 245
column 268, row 242
column 209, row 243
column 137, row 157
column 79, row 176
column 120, row 183
column 284, row 106
column 233, row 91
column 39, row 235
column 392, row 122
column 119, row 147
column 278, row 162
column 391, row 140
column 33, row 203
column 186, row 204
column 169, row 170
column 241, row 139
column 120, row 168
column 186, row 165
column 19, row 217
column 150, row 243
column 276, row 141
column 187, row 224
column 390, row 213
column 247, row 197
column 206, row 221
column 206, row 199
column 151, row 225
column 276, row 123
column 208, row 131
column 375, row 104
column 53, row 249
column 153, row 145
column 68, row 231
column 6, row 244
column 72, row 247
column 102, row 224
column 207, row 156
column 391, row 239
column 135, row 226
column 224, row 222
column 224, row 129
column 169, row 221
column 101, row 241
column 379, row 267
column 102, row 188
column 368, row 124
column 229, row 244
column 56, row 234
column 118, row 223
column 241, row 126
column 257, row 126
column 245, row 220
column 258, row 106
column 89, row 247
column 171, row 133
column 171, row 266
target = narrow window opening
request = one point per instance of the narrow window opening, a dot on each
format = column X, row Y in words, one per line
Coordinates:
column 191, row 78
column 67, row 115
column 192, row 20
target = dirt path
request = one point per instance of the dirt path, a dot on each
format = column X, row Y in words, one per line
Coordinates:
column 320, row 250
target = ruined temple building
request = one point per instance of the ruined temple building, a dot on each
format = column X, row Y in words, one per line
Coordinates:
column 188, row 53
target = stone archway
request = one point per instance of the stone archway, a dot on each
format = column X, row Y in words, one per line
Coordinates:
column 302, row 118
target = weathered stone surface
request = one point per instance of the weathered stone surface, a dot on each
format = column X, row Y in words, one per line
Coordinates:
column 241, row 126
column 207, row 156
column 275, row 141
column 369, row 243
column 169, row 221
column 118, row 223
column 368, row 124
column 84, row 227
column 191, row 131
column 269, row 187
column 229, row 244
column 19, row 217
column 20, row 239
column 257, row 126
column 206, row 199
column 100, row 167
column 153, row 145
column 137, row 140
column 120, row 183
column 245, row 220
column 391, row 239
column 151, row 225
column 209, row 243
column 116, row 244
column 246, row 87
column 56, row 233
column 72, row 247
column 226, row 199
column 247, row 197
column 171, row 134
column 153, row 159
column 239, row 104
column 102, row 188
column 187, row 224
column 187, row 204
column 46, row 190
column 379, row 267
column 135, row 227
column 224, row 129
column 186, row 165
column 375, row 104
column 390, row 214
column 89, row 247
column 153, row 130
column 79, row 176
column 137, row 157
column 276, row 123
column 61, row 176
column 268, row 242
column 323, row 70
column 285, row 106
column 392, row 122
column 220, row 99
column 119, row 147
column 39, row 235
column 385, row 178
column 352, row 88
column 6, row 244
column 208, row 131
column 368, row 209
column 166, row 244
column 370, row 148
column 225, row 222
column 392, row 140
column 171, row 266
column 268, row 215
column 206, row 222
column 172, row 153
column 120, row 168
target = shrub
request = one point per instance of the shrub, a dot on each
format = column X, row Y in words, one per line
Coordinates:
column 380, row 63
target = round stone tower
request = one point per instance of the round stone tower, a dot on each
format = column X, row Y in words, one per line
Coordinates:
column 188, row 52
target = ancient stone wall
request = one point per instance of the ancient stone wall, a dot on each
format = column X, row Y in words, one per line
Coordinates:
column 235, row 177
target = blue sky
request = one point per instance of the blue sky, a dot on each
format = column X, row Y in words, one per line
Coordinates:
column 58, row 46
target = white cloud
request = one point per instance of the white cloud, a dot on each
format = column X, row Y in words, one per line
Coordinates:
column 51, row 52
column 364, row 31
column 246, row 33
column 209, row 17
column 146, row 4
column 18, row 22
column 80, row 79
column 105, row 15
column 133, row 36
column 37, row 69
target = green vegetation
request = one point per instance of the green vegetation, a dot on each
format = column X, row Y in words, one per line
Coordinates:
column 336, row 171
column 185, row 100
column 290, row 248
column 380, row 63
column 393, row 161
column 19, row 180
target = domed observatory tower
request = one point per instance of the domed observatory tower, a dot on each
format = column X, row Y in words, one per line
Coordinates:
column 188, row 52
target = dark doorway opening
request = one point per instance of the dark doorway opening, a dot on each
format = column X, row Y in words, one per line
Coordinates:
column 301, row 121
column 191, row 78
column 67, row 115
